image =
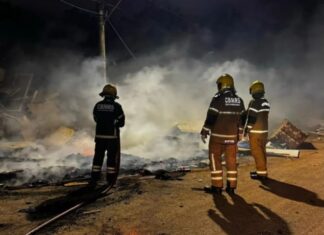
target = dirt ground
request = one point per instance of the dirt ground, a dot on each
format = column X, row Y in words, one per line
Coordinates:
column 291, row 202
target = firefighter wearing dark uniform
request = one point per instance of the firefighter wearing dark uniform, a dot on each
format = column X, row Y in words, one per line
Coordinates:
column 257, row 128
column 109, row 117
column 223, row 125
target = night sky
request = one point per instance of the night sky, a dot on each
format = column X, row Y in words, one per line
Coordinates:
column 145, row 25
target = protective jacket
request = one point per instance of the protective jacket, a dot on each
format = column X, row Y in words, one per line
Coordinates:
column 109, row 117
column 224, row 117
column 258, row 112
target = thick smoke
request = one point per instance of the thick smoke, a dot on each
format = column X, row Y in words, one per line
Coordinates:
column 156, row 97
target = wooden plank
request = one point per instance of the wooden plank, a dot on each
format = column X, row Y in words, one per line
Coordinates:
column 316, row 133
column 283, row 152
column 276, row 152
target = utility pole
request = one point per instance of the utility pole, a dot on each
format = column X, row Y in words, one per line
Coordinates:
column 103, row 17
column 102, row 40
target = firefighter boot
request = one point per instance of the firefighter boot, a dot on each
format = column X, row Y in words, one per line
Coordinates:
column 95, row 177
column 93, row 182
column 254, row 175
column 111, row 179
column 230, row 190
column 213, row 190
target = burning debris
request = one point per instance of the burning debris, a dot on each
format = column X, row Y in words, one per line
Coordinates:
column 46, row 150
column 36, row 171
column 34, row 165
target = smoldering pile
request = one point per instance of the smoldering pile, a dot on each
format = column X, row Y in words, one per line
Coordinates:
column 66, row 156
column 34, row 173
column 32, row 164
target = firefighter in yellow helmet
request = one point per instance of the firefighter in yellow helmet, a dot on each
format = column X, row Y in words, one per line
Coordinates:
column 109, row 117
column 223, row 125
column 257, row 128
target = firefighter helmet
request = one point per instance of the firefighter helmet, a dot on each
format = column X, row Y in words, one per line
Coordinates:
column 225, row 81
column 256, row 87
column 109, row 90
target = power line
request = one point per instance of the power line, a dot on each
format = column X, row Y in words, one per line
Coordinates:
column 80, row 8
column 121, row 39
column 98, row 1
column 114, row 8
column 116, row 31
column 107, row 18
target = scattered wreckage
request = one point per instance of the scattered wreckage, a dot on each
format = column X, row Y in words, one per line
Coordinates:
column 285, row 141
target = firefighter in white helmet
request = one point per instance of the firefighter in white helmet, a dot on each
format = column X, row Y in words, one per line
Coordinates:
column 257, row 129
column 223, row 124
column 109, row 117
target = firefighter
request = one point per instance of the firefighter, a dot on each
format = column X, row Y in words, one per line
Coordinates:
column 109, row 117
column 257, row 129
column 223, row 124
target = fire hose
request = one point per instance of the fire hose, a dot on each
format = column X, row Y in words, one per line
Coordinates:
column 104, row 191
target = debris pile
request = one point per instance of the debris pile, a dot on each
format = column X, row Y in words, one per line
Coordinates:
column 285, row 141
column 29, row 172
column 287, row 136
column 318, row 131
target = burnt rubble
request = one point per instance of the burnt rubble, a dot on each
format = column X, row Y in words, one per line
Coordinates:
column 285, row 141
column 77, row 167
column 30, row 166
column 287, row 136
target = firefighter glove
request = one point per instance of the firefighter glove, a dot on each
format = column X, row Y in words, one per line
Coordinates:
column 204, row 133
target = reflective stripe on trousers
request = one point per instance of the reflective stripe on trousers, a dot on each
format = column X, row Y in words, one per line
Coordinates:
column 215, row 152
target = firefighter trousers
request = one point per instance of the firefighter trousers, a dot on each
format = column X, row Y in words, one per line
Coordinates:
column 215, row 158
column 258, row 143
column 112, row 147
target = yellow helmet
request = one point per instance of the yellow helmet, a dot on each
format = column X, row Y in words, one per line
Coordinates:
column 256, row 87
column 109, row 90
column 225, row 81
